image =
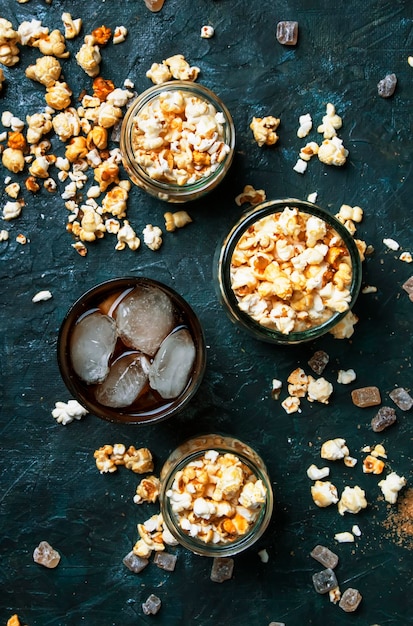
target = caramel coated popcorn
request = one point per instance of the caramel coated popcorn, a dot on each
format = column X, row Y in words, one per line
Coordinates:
column 216, row 497
column 291, row 271
column 108, row 458
column 179, row 138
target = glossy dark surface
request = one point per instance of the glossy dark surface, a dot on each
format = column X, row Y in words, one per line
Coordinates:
column 50, row 488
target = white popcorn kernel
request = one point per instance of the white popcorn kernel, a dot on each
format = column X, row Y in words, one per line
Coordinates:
column 350, row 461
column 352, row 500
column 4, row 235
column 334, row 449
column 314, row 473
column 11, row 210
column 369, row 289
column 334, row 595
column 207, row 32
column 391, row 244
column 64, row 413
column 263, row 554
column 320, row 390
column 276, row 388
column 391, row 485
column 306, row 124
column 312, row 197
column 345, row 377
column 406, row 257
column 300, row 166
column 324, row 493
column 356, row 530
column 42, row 295
column 345, row 537
column 119, row 34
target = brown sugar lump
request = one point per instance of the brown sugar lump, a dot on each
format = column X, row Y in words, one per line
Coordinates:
column 350, row 600
column 366, row 396
column 45, row 555
column 401, row 398
column 385, row 417
column 287, row 33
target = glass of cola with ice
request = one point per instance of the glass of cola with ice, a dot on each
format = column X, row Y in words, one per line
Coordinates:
column 132, row 350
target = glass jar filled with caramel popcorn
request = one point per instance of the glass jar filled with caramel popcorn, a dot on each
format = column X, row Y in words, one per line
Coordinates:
column 177, row 141
column 216, row 497
column 288, row 271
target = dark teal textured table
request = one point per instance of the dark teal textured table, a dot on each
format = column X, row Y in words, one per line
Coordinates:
column 50, row 488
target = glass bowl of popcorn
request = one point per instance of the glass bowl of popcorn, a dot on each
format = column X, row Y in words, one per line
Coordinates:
column 132, row 350
column 177, row 141
column 216, row 497
column 288, row 271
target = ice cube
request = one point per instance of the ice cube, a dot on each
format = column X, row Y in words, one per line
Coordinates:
column 127, row 378
column 91, row 346
column 144, row 318
column 172, row 365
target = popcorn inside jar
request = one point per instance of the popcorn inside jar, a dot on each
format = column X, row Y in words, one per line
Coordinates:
column 177, row 141
column 216, row 501
column 291, row 273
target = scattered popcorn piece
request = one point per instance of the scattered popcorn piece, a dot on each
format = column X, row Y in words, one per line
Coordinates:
column 344, row 537
column 159, row 73
column 300, row 166
column 180, row 68
column 13, row 159
column 406, row 257
column 309, row 150
column 378, row 450
column 332, row 152
column 42, row 295
column 276, row 388
column 319, row 389
column 352, row 500
column 9, row 51
column 263, row 554
column 312, row 197
column 89, row 57
column 12, row 190
column 345, row 377
column 334, row 449
column 331, row 122
column 345, row 328
column 263, row 129
column 250, row 195
column 314, row 473
column 410, row 60
column 324, row 493
column 12, row 210
column 119, row 34
column 372, row 465
column 72, row 27
column 154, row 5
column 4, row 235
column 21, row 239
column 391, row 486
column 350, row 461
column 356, row 530
column 147, row 490
column 45, row 555
column 391, row 244
column 291, row 405
column 179, row 219
column 334, row 595
column 14, row 619
column 152, row 237
column 207, row 32
column 127, row 237
column 306, row 124
column 65, row 412
column 369, row 289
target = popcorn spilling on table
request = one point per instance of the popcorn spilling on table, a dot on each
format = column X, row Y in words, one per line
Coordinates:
column 66, row 412
column 109, row 457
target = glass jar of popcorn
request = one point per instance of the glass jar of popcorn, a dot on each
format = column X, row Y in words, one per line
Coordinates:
column 216, row 497
column 177, row 141
column 289, row 272
column 132, row 350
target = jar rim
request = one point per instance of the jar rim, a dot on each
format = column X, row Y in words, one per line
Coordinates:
column 251, row 216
